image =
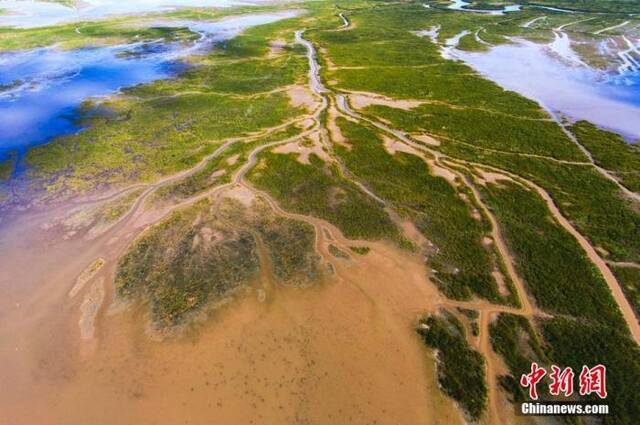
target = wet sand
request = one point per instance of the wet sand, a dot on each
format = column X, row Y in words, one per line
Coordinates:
column 343, row 351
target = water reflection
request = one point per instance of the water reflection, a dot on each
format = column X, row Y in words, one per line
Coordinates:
column 41, row 89
column 463, row 6
column 579, row 92
column 21, row 13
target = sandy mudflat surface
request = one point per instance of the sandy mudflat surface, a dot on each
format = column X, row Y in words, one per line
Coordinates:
column 361, row 100
column 343, row 351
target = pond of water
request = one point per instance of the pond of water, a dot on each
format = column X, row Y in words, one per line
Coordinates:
column 42, row 89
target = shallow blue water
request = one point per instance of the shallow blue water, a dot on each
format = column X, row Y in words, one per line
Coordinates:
column 577, row 92
column 463, row 6
column 625, row 88
column 42, row 89
column 34, row 13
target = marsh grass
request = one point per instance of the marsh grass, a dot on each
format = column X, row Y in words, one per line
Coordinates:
column 465, row 384
column 611, row 152
column 200, row 255
column 166, row 126
column 318, row 189
column 178, row 267
column 555, row 269
column 629, row 279
column 462, row 266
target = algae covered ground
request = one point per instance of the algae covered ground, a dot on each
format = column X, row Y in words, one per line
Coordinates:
column 303, row 153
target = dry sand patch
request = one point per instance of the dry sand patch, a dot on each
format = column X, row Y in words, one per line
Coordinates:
column 392, row 146
column 361, row 100
column 301, row 97
column 426, row 139
column 86, row 275
column 304, row 149
column 276, row 47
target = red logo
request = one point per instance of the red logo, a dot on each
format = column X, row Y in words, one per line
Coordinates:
column 591, row 381
column 562, row 382
column 594, row 380
column 531, row 380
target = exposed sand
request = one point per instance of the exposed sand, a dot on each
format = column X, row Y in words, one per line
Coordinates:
column 327, row 60
column 276, row 47
column 335, row 134
column 305, row 150
column 362, row 100
column 86, row 275
column 409, row 229
column 242, row 194
column 502, row 285
column 302, row 97
column 90, row 307
column 340, row 352
column 217, row 173
column 438, row 171
column 392, row 146
column 233, row 159
column 426, row 139
column 490, row 177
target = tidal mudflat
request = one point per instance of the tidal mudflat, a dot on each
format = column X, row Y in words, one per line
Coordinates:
column 309, row 225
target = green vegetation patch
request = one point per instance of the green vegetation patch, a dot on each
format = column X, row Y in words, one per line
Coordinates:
column 462, row 265
column 575, row 343
column 145, row 140
column 338, row 253
column 319, row 189
column 610, row 151
column 516, row 341
column 114, row 210
column 98, row 33
column 595, row 205
column 380, row 42
column 6, row 168
column 461, row 371
column 484, row 129
column 201, row 254
column 218, row 170
column 569, row 342
column 186, row 261
column 161, row 128
column 629, row 279
column 451, row 83
column 290, row 244
column 250, row 76
column 556, row 271
column 360, row 250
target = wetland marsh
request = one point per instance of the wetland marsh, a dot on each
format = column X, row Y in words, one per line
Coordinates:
column 273, row 214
